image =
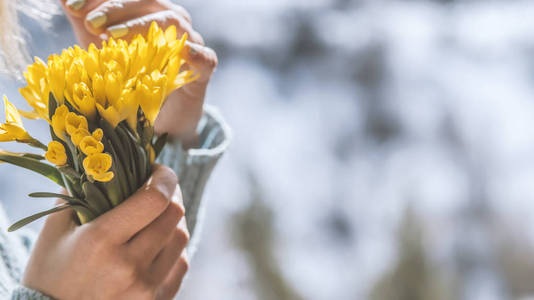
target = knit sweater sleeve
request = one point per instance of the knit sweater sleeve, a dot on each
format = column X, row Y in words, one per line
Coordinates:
column 14, row 253
column 194, row 167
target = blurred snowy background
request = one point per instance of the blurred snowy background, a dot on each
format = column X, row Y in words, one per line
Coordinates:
column 383, row 149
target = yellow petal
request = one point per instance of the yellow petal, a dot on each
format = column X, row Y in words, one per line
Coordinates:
column 58, row 121
column 110, row 114
column 12, row 114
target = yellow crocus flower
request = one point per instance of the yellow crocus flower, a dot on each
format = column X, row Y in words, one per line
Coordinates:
column 99, row 89
column 89, row 145
column 83, row 100
column 98, row 134
column 113, row 87
column 76, row 73
column 12, row 129
column 152, row 92
column 56, row 77
column 56, row 153
column 78, row 135
column 58, row 121
column 74, row 122
column 37, row 91
column 91, row 60
column 123, row 109
column 97, row 166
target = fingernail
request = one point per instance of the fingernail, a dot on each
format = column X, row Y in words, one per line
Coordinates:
column 194, row 49
column 75, row 4
column 97, row 19
column 165, row 187
column 118, row 31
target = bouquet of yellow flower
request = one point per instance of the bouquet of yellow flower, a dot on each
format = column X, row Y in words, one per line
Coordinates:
column 100, row 105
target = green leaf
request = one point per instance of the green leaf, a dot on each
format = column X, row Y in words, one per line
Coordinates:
column 52, row 105
column 141, row 163
column 44, row 169
column 85, row 214
column 127, row 143
column 69, row 199
column 95, row 198
column 33, row 156
column 160, row 143
column 120, row 156
column 68, row 171
column 53, row 195
column 36, row 216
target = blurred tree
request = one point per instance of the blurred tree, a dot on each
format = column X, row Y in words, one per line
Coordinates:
column 254, row 233
column 413, row 277
column 517, row 266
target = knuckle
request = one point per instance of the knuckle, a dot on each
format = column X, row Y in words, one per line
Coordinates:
column 145, row 288
column 177, row 210
column 184, row 261
column 128, row 271
column 182, row 236
column 183, row 12
column 213, row 61
column 196, row 37
column 95, row 236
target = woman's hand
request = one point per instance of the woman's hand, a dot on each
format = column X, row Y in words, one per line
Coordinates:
column 135, row 251
column 96, row 20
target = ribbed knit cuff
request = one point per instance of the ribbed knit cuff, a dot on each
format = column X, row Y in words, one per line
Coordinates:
column 24, row 293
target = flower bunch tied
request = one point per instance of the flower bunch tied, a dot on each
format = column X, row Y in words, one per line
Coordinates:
column 100, row 105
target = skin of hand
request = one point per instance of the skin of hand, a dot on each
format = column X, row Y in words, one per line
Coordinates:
column 97, row 20
column 135, row 251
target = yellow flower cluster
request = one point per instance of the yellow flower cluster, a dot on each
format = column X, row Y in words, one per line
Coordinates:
column 66, row 123
column 101, row 105
column 114, row 80
column 111, row 83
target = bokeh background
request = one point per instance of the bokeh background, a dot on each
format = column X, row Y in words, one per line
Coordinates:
column 383, row 149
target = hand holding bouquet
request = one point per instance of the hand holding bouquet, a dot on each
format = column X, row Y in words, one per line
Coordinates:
column 100, row 105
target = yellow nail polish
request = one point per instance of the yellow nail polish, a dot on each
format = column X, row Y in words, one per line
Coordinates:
column 97, row 19
column 75, row 4
column 118, row 31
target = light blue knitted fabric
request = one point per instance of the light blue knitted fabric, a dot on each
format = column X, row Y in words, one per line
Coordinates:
column 193, row 167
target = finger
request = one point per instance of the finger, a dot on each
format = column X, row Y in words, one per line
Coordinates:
column 169, row 255
column 190, row 97
column 79, row 8
column 201, row 58
column 174, row 279
column 149, row 241
column 165, row 18
column 180, row 10
column 74, row 10
column 141, row 208
column 115, row 12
